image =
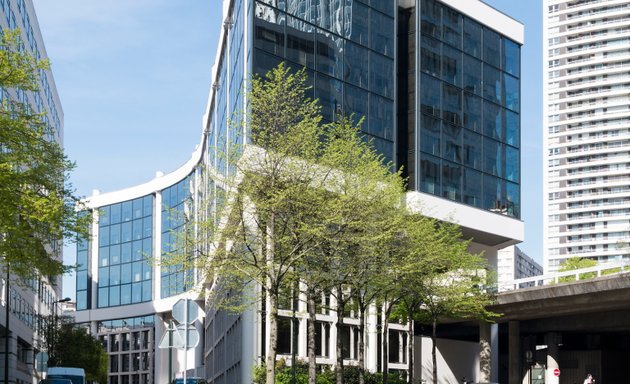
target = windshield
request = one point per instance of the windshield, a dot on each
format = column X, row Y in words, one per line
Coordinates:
column 75, row 379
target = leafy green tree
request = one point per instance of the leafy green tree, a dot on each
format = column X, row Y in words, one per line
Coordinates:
column 574, row 263
column 72, row 346
column 38, row 202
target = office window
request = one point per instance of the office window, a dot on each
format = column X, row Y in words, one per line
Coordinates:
column 430, row 135
column 430, row 175
column 491, row 47
column 472, row 112
column 472, row 37
column 452, row 27
column 452, row 65
column 492, row 120
column 431, row 56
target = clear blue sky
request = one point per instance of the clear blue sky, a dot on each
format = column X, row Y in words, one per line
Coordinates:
column 133, row 77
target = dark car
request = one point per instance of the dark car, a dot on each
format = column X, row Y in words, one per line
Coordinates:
column 190, row 380
column 55, row 381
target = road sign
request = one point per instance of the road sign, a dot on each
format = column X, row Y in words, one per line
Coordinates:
column 175, row 337
column 556, row 372
column 41, row 362
column 179, row 311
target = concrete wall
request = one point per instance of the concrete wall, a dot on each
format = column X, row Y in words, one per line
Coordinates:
column 455, row 360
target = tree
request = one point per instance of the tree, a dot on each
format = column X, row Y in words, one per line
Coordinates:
column 447, row 282
column 38, row 204
column 73, row 346
column 574, row 263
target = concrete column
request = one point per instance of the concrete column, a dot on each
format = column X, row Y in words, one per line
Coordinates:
column 485, row 353
column 514, row 351
column 553, row 358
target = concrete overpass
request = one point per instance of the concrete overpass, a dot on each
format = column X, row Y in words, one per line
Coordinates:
column 576, row 327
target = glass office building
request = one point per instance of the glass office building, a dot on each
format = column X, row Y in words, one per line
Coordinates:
column 438, row 86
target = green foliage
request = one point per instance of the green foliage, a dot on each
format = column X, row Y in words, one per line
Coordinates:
column 325, row 375
column 38, row 205
column 75, row 347
column 574, row 263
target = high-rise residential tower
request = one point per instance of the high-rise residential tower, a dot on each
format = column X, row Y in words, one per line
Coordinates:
column 586, row 130
column 438, row 82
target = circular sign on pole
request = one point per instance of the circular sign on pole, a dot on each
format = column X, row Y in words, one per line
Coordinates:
column 556, row 372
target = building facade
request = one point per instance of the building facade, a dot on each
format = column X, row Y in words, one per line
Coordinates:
column 513, row 263
column 29, row 300
column 586, row 131
column 439, row 85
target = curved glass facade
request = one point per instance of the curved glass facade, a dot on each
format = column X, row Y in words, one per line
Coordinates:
column 125, row 250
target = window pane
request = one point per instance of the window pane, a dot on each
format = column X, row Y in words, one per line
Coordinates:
column 451, row 181
column 355, row 102
column 359, row 18
column 114, row 254
column 269, row 29
column 472, row 187
column 329, row 54
column 137, row 208
column 356, row 65
column 125, row 252
column 492, row 84
column 472, row 150
column 513, row 199
column 381, row 75
column 512, row 164
column 491, row 47
column 511, row 92
column 103, row 276
column 452, row 104
column 511, row 57
column 382, row 33
column 114, row 275
column 103, row 236
column 472, row 75
column 114, row 295
column 146, row 291
column 491, row 193
column 126, row 232
column 329, row 92
column 431, row 56
column 430, row 175
column 472, row 112
column 452, row 27
column 452, row 65
column 431, row 22
column 472, row 37
column 493, row 157
column 430, row 135
column 430, row 95
column 512, row 129
column 125, row 294
column 300, row 42
column 115, row 213
column 103, row 256
column 104, row 216
column 103, row 298
column 492, row 120
column 136, row 292
column 125, row 273
column 452, row 139
column 148, row 205
column 381, row 117
column 127, row 211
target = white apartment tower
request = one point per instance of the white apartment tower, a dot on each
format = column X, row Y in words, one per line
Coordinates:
column 586, row 88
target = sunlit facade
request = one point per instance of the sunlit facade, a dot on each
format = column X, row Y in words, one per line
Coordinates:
column 28, row 300
column 586, row 130
column 438, row 83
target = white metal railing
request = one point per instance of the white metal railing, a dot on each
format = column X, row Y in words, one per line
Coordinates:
column 578, row 274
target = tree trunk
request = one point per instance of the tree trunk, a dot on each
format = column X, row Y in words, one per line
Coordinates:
column 338, row 325
column 272, row 295
column 434, row 350
column 410, row 349
column 273, row 339
column 361, row 343
column 312, row 362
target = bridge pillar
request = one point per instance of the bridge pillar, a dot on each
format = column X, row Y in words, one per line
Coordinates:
column 553, row 357
column 514, row 352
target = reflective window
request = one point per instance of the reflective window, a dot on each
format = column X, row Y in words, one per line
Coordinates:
column 329, row 92
column 491, row 47
column 431, row 18
column 452, row 65
column 381, row 75
column 472, row 149
column 300, row 42
column 451, row 181
column 452, row 27
column 472, row 112
column 493, row 157
column 269, row 29
column 491, row 193
column 452, row 139
column 492, row 120
column 472, row 75
column 512, row 129
column 472, row 37
column 492, row 89
column 430, row 175
column 359, row 17
column 511, row 92
column 431, row 56
column 430, row 135
column 430, row 95
column 388, row 7
column 329, row 54
column 452, row 104
column 355, row 102
column 381, row 121
column 513, row 198
column 472, row 187
column 381, row 38
column 356, row 65
column 511, row 57
column 512, row 164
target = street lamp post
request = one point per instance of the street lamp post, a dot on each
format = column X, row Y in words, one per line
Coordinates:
column 53, row 334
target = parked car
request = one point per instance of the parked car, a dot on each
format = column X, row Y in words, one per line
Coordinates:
column 190, row 380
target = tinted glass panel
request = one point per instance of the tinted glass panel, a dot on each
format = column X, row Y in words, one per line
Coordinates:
column 492, row 120
column 511, row 57
column 492, row 84
column 381, row 75
column 431, row 56
column 452, row 65
column 356, row 65
column 451, row 181
column 431, row 21
column 472, row 37
column 512, row 164
column 359, row 18
column 329, row 54
column 452, row 27
column 511, row 92
column 269, row 30
column 329, row 92
column 430, row 135
column 491, row 47
column 430, row 95
column 300, row 42
column 472, row 75
column 472, row 149
column 452, row 138
column 512, row 129
column 472, row 187
column 381, row 37
column 472, row 112
column 381, row 117
column 452, row 104
column 430, row 175
column 493, row 157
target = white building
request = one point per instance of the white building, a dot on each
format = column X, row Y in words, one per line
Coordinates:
column 586, row 130
column 27, row 302
column 513, row 263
